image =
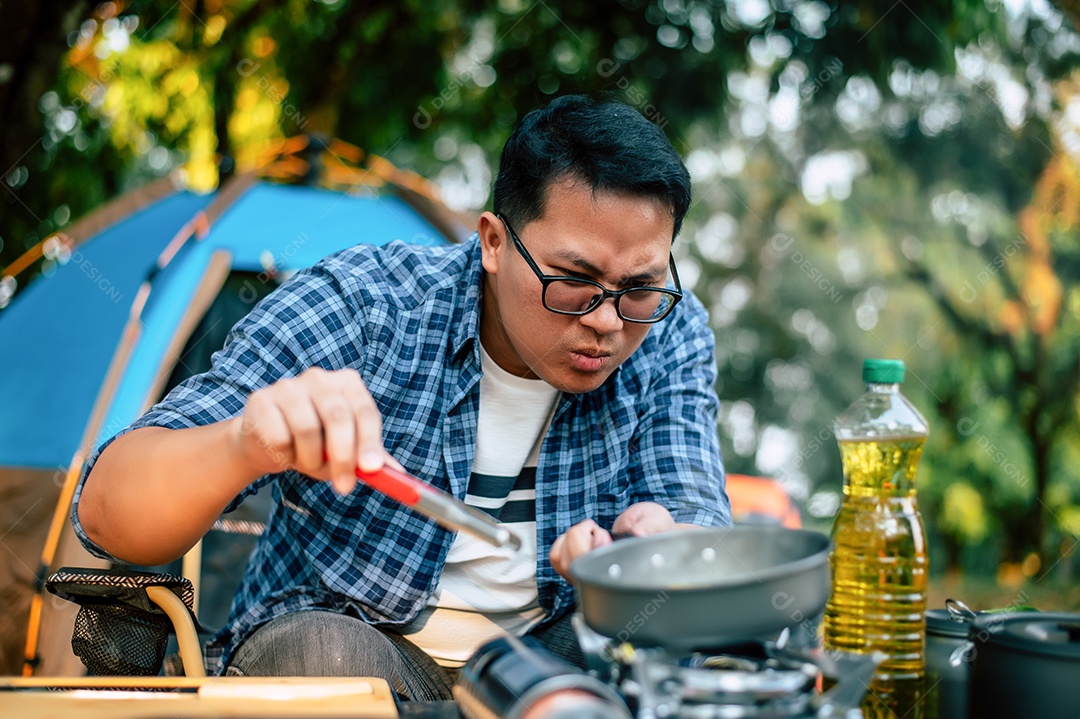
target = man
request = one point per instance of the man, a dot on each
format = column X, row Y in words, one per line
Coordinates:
column 550, row 371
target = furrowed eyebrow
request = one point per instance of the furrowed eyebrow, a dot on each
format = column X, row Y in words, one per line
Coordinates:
column 642, row 277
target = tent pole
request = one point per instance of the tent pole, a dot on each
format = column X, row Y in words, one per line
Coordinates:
column 213, row 279
column 130, row 336
column 96, row 221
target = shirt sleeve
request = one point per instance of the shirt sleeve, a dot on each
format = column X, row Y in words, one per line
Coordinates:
column 675, row 454
column 308, row 321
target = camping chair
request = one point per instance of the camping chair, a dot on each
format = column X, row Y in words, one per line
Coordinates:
column 125, row 618
column 121, row 633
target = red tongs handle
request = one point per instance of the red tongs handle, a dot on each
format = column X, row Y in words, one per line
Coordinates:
column 394, row 484
column 443, row 508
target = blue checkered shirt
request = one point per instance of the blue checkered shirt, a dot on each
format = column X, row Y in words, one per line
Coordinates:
column 407, row 319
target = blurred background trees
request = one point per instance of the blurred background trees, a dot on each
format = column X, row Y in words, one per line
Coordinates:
column 871, row 180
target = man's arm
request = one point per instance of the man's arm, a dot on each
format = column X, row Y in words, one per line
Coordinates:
column 266, row 406
column 154, row 491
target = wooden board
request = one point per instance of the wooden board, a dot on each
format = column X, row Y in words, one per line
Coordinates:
column 204, row 698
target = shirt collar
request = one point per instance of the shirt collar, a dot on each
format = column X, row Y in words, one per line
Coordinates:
column 467, row 320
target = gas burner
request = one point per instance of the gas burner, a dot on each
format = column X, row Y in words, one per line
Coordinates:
column 751, row 680
column 723, row 662
column 717, row 685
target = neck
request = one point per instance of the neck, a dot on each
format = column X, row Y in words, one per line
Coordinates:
column 493, row 335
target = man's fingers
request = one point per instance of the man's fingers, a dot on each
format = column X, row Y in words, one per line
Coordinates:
column 644, row 518
column 323, row 423
column 334, row 396
column 558, row 557
column 339, row 437
column 600, row 537
column 585, row 537
column 371, row 455
column 580, row 539
column 305, row 426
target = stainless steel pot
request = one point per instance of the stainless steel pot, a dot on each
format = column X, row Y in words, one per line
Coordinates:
column 700, row 588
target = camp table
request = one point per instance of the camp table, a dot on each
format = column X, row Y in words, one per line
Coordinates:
column 209, row 697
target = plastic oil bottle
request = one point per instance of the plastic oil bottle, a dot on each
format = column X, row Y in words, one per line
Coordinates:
column 879, row 562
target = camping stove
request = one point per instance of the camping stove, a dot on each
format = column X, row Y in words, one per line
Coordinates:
column 512, row 679
column 754, row 679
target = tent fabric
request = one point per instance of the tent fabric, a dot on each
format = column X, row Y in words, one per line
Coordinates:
column 316, row 224
column 59, row 335
column 27, row 502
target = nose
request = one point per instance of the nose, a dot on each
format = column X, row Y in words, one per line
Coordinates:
column 604, row 319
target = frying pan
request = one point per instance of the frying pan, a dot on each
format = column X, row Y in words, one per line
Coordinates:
column 703, row 588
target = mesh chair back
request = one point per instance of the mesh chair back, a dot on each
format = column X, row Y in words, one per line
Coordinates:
column 119, row 631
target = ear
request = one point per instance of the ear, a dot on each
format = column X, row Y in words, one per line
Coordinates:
column 493, row 240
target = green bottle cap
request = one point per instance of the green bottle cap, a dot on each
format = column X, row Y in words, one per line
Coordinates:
column 883, row 371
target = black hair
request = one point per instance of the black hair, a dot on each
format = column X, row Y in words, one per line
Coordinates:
column 607, row 144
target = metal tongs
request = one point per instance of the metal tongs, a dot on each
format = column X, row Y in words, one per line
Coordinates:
column 445, row 509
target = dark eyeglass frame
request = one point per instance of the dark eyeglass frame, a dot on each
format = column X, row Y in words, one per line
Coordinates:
column 546, row 280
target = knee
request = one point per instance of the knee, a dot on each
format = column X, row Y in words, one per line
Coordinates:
column 316, row 643
column 349, row 647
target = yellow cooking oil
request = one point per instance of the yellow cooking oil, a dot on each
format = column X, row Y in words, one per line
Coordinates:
column 879, row 571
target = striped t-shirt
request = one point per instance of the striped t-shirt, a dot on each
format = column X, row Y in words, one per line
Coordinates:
column 485, row 592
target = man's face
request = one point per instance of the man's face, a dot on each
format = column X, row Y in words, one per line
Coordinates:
column 615, row 239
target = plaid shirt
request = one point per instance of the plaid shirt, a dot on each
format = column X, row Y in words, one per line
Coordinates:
column 407, row 319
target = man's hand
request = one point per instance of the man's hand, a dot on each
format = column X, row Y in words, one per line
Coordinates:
column 296, row 422
column 580, row 539
column 292, row 423
column 638, row 520
column 643, row 518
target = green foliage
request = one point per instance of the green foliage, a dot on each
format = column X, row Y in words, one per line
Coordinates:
column 963, row 513
column 870, row 180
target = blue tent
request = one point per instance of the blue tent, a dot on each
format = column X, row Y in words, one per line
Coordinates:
column 85, row 351
column 60, row 334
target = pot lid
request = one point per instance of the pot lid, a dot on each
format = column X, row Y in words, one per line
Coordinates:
column 1044, row 633
column 939, row 622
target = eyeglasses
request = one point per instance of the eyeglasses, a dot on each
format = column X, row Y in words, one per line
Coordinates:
column 575, row 296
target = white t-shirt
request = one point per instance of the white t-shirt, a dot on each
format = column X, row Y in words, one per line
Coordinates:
column 485, row 592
